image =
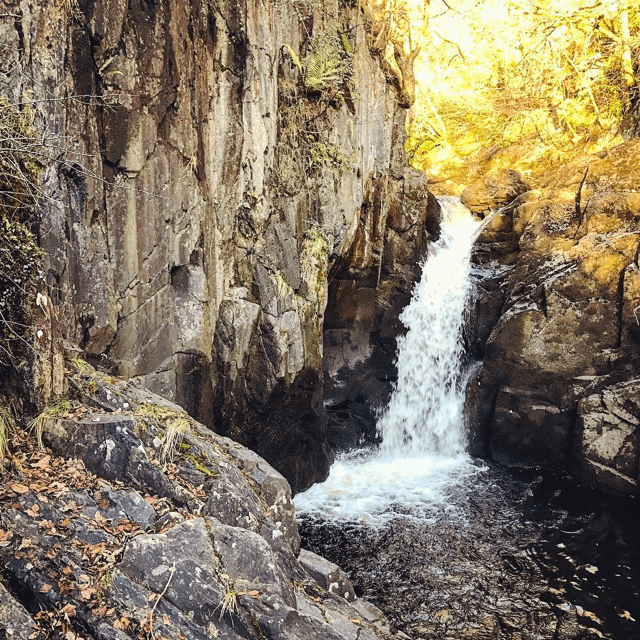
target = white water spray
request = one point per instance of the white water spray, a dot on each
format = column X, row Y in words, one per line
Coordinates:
column 421, row 459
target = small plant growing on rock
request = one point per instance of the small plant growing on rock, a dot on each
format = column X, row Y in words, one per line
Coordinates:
column 230, row 597
column 58, row 410
column 176, row 428
column 7, row 423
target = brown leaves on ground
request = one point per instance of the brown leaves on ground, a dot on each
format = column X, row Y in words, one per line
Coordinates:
column 35, row 479
column 44, row 479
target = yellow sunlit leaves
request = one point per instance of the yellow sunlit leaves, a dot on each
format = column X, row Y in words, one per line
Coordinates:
column 520, row 82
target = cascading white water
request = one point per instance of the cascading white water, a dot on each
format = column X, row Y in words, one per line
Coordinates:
column 424, row 413
column 421, row 458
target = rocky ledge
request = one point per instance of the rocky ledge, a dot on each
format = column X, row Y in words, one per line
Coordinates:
column 137, row 522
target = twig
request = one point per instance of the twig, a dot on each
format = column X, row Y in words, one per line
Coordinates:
column 166, row 586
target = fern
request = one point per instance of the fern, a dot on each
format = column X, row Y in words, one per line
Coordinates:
column 294, row 57
column 329, row 61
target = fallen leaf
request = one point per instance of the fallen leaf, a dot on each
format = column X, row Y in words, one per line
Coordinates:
column 69, row 610
column 5, row 538
column 45, row 588
column 122, row 623
column 43, row 463
column 33, row 512
column 86, row 594
column 355, row 620
column 19, row 488
column 253, row 593
column 26, row 543
column 101, row 611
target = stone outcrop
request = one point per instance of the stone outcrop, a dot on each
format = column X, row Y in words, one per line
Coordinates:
column 567, row 333
column 607, row 437
column 206, row 197
column 140, row 522
column 492, row 191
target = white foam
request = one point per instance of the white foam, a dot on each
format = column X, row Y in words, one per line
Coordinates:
column 421, row 459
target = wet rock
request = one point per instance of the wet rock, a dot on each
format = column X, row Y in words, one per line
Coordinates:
column 494, row 190
column 366, row 296
column 327, row 574
column 509, row 555
column 568, row 313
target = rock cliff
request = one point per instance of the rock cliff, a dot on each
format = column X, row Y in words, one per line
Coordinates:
column 559, row 383
column 226, row 174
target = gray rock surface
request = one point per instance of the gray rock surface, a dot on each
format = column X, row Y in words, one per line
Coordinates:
column 327, row 574
column 608, row 438
column 192, row 243
column 142, row 522
column 15, row 622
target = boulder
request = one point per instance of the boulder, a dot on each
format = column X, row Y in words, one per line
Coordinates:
column 328, row 575
column 493, row 191
column 608, row 438
column 141, row 522
column 15, row 622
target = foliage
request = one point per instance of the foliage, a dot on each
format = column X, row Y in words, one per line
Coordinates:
column 324, row 81
column 7, row 424
column 174, row 423
column 20, row 256
column 531, row 83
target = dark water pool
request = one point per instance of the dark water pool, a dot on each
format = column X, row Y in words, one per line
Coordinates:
column 532, row 557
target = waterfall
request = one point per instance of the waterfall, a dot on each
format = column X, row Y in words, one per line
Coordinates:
column 421, row 459
column 425, row 410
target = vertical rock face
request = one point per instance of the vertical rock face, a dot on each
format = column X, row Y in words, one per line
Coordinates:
column 560, row 369
column 190, row 228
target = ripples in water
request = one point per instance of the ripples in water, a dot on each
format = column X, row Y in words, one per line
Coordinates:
column 515, row 556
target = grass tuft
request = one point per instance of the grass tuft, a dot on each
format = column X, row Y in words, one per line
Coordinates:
column 57, row 410
column 7, row 424
column 176, row 428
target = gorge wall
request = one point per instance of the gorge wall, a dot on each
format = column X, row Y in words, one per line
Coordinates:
column 557, row 323
column 213, row 201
